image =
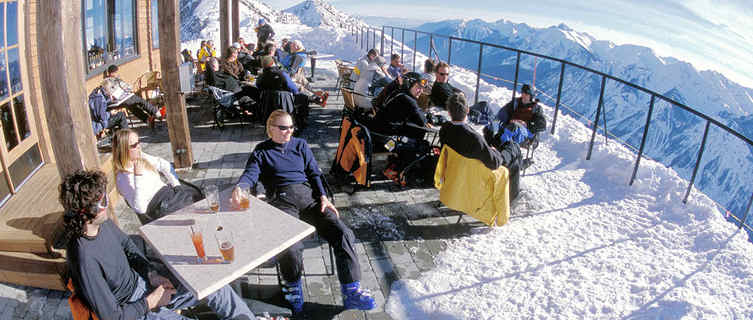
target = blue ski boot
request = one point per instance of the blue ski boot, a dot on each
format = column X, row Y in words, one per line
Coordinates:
column 355, row 298
column 294, row 294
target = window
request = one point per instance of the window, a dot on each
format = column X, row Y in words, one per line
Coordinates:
column 109, row 32
column 155, row 24
column 20, row 156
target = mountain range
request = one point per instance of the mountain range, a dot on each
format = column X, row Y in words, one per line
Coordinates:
column 674, row 136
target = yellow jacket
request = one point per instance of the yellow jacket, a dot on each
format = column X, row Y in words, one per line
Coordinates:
column 466, row 185
column 203, row 55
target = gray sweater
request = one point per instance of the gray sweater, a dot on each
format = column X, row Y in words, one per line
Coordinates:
column 105, row 271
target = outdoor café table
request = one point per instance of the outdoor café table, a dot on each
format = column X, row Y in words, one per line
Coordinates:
column 259, row 233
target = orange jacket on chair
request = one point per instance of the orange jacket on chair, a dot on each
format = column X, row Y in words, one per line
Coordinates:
column 79, row 309
column 468, row 186
column 353, row 151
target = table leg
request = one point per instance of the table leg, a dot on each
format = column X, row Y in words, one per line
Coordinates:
column 313, row 67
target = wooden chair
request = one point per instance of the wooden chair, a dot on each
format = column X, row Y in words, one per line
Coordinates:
column 149, row 87
column 343, row 75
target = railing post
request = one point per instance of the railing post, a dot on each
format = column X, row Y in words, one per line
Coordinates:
column 643, row 140
column 381, row 48
column 515, row 82
column 596, row 121
column 415, row 47
column 449, row 51
column 559, row 95
column 478, row 72
column 402, row 44
column 698, row 162
column 392, row 40
column 431, row 44
column 747, row 210
column 373, row 42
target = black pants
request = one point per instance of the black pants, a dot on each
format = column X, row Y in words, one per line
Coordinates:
column 140, row 108
column 117, row 121
column 297, row 200
column 170, row 199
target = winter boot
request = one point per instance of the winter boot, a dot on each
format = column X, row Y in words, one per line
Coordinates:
column 294, row 294
column 355, row 298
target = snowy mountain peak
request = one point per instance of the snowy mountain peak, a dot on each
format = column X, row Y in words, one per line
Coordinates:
column 315, row 13
column 200, row 18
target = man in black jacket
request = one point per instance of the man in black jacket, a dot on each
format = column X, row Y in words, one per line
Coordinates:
column 523, row 111
column 459, row 136
column 264, row 32
column 400, row 114
column 110, row 272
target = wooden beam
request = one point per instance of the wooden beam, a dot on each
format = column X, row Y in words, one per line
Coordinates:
column 236, row 21
column 224, row 27
column 61, row 64
column 177, row 117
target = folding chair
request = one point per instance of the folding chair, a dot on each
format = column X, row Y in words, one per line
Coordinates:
column 225, row 106
column 344, row 72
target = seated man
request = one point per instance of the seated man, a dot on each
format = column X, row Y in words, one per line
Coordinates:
column 102, row 118
column 274, row 79
column 523, row 111
column 372, row 74
column 111, row 273
column 287, row 170
column 400, row 114
column 119, row 91
column 396, row 67
column 459, row 136
column 442, row 89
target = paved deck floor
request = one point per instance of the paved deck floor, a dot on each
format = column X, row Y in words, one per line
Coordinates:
column 399, row 231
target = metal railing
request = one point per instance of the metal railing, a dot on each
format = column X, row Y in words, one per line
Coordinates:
column 363, row 34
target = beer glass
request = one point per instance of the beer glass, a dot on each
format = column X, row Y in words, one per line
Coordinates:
column 226, row 244
column 213, row 197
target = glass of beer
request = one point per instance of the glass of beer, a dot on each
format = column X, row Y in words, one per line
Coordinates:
column 213, row 197
column 225, row 243
column 245, row 191
column 198, row 243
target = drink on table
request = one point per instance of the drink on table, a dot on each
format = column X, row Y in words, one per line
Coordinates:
column 245, row 190
column 225, row 243
column 213, row 197
column 198, row 243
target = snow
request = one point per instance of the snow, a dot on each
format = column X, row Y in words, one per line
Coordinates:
column 582, row 243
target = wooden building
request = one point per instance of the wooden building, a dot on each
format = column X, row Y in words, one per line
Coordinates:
column 52, row 55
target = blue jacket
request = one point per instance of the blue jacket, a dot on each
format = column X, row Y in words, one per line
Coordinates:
column 98, row 109
column 294, row 61
column 277, row 165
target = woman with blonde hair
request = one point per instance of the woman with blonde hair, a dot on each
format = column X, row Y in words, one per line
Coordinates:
column 137, row 176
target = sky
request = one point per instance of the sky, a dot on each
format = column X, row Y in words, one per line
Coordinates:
column 710, row 34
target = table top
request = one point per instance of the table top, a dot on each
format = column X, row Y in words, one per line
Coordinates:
column 259, row 233
column 322, row 56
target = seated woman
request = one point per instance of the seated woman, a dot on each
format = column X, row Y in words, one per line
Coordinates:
column 137, row 176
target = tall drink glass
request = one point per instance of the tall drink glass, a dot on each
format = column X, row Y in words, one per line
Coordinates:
column 225, row 243
column 198, row 243
column 213, row 197
column 245, row 190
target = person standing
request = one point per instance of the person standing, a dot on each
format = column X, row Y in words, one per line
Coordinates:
column 264, row 32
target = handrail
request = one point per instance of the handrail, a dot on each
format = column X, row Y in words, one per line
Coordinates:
column 595, row 123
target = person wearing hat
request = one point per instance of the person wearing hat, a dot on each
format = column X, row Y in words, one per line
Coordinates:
column 523, row 111
column 264, row 32
column 400, row 114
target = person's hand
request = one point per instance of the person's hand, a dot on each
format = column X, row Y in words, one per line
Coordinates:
column 156, row 280
column 159, row 297
column 325, row 204
column 428, row 125
column 235, row 198
column 138, row 167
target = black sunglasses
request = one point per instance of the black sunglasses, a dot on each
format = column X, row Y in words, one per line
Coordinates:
column 444, row 74
column 136, row 144
column 285, row 128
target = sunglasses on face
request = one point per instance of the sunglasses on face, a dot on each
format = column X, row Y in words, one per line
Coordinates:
column 444, row 74
column 285, row 128
column 104, row 203
column 135, row 145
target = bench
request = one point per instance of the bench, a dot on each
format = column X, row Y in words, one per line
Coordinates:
column 31, row 223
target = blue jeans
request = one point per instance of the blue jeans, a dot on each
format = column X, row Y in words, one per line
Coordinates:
column 225, row 302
